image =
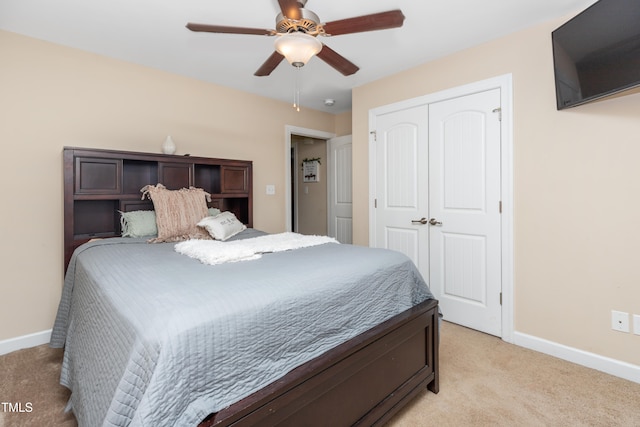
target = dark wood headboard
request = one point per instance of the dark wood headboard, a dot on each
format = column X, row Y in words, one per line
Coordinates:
column 99, row 183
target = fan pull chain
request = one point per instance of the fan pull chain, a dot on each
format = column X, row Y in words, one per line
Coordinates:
column 296, row 91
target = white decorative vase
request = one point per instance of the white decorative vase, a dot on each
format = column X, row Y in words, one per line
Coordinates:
column 168, row 147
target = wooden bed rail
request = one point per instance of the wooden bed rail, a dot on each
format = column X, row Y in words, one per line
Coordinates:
column 364, row 381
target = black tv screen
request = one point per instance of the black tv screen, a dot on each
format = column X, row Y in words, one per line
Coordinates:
column 597, row 53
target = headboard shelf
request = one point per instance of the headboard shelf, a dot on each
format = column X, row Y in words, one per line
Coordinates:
column 98, row 183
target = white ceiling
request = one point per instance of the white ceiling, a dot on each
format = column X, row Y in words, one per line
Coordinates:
column 153, row 33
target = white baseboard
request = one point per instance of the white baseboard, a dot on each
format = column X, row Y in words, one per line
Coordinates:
column 611, row 366
column 25, row 341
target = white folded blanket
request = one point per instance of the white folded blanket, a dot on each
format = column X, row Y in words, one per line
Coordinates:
column 214, row 252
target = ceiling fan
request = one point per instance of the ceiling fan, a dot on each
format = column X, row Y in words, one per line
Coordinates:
column 297, row 24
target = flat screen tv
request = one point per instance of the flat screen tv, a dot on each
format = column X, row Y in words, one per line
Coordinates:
column 597, row 53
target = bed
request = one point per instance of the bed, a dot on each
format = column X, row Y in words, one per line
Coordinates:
column 154, row 337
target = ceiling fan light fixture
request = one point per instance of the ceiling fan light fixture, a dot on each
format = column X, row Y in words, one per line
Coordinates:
column 298, row 47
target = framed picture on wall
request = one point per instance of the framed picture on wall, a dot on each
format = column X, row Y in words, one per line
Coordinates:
column 311, row 170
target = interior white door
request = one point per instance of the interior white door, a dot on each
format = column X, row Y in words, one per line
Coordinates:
column 464, row 199
column 402, row 202
column 340, row 189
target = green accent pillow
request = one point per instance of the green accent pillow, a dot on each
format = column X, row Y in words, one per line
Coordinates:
column 138, row 223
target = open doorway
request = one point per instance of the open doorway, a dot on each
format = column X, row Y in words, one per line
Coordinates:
column 309, row 192
column 334, row 172
column 292, row 132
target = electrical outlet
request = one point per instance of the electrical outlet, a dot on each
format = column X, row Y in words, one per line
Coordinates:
column 619, row 321
column 636, row 324
column 271, row 189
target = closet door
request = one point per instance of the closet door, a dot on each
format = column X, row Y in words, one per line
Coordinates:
column 402, row 184
column 436, row 184
column 464, row 200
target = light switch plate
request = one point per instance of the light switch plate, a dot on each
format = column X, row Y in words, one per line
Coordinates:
column 271, row 189
column 636, row 324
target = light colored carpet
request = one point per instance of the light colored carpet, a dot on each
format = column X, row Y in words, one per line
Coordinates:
column 487, row 382
column 31, row 376
column 483, row 382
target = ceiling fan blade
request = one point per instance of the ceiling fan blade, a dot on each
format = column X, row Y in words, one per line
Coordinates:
column 337, row 61
column 232, row 30
column 376, row 21
column 269, row 65
column 290, row 9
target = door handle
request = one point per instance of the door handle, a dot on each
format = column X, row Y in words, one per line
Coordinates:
column 433, row 221
column 419, row 221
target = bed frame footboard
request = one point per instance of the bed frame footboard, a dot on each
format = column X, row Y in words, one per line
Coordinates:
column 364, row 381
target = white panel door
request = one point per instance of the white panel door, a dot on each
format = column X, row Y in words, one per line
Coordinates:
column 464, row 196
column 340, row 189
column 401, row 177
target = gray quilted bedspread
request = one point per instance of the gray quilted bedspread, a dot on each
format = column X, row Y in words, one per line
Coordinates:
column 154, row 338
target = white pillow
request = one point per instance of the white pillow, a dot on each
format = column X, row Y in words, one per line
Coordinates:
column 222, row 226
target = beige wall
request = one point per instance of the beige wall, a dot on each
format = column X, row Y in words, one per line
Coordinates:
column 343, row 124
column 577, row 191
column 52, row 96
